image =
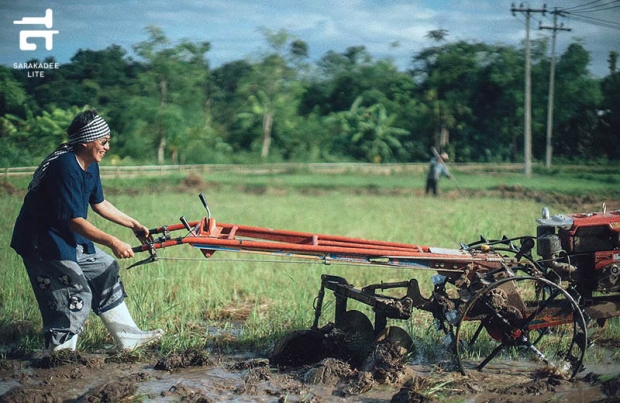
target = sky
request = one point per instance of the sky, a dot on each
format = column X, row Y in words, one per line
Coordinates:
column 393, row 29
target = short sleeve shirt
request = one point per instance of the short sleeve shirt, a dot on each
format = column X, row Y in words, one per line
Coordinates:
column 437, row 169
column 65, row 192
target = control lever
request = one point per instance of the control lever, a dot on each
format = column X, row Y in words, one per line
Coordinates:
column 203, row 199
column 186, row 225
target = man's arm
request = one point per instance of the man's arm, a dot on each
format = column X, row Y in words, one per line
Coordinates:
column 108, row 211
column 83, row 227
column 445, row 172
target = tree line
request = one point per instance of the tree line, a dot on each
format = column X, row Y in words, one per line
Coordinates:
column 167, row 105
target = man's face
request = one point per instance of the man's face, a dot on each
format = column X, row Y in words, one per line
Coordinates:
column 96, row 149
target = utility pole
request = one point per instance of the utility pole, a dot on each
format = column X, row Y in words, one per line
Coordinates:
column 527, row 153
column 554, row 28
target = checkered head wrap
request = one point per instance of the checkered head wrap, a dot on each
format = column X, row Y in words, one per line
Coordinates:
column 95, row 129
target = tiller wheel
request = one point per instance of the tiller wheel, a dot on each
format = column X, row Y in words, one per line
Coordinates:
column 522, row 318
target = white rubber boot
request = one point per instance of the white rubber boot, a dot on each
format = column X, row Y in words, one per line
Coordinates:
column 70, row 345
column 127, row 334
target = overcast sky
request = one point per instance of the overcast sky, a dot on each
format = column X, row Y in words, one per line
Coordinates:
column 388, row 28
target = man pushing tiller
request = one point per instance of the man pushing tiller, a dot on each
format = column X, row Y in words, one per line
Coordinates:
column 71, row 276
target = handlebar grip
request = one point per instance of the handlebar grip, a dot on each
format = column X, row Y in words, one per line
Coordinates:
column 140, row 248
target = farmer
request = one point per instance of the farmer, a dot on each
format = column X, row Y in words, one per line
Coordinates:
column 71, row 276
column 436, row 169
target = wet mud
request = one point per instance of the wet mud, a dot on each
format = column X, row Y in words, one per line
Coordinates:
column 194, row 376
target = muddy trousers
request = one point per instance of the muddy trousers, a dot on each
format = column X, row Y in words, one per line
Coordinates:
column 67, row 291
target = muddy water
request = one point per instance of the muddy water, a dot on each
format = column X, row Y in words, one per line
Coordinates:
column 522, row 382
column 246, row 379
column 222, row 383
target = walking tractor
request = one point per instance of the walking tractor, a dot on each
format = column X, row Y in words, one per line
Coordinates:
column 528, row 297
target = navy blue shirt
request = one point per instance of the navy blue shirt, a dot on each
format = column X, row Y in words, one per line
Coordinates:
column 65, row 192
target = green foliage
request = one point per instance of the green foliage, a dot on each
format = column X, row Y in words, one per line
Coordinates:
column 12, row 93
column 580, row 95
column 168, row 106
column 272, row 93
column 370, row 132
column 608, row 139
column 170, row 95
column 25, row 141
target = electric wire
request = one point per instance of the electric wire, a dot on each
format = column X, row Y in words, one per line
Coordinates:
column 591, row 6
column 611, row 7
column 583, row 13
column 583, row 5
column 593, row 21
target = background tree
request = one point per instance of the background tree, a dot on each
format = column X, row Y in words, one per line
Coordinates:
column 608, row 139
column 496, row 104
column 437, row 35
column 448, row 81
column 27, row 141
column 370, row 133
column 576, row 115
column 13, row 96
column 168, row 105
column 271, row 88
column 177, row 81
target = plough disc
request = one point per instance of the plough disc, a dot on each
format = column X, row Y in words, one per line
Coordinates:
column 297, row 348
column 397, row 338
column 352, row 339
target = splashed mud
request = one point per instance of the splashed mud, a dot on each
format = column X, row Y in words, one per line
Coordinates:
column 194, row 376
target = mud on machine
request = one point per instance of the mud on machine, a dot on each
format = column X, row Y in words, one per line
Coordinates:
column 528, row 296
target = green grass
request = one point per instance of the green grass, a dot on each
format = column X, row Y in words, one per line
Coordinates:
column 240, row 300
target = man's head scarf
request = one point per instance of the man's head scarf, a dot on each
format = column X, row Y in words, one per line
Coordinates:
column 93, row 130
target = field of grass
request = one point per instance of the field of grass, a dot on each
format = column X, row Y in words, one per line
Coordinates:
column 239, row 300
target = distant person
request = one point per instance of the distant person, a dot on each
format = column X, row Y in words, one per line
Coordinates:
column 71, row 276
column 436, row 170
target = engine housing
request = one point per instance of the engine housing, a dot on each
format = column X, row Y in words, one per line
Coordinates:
column 584, row 247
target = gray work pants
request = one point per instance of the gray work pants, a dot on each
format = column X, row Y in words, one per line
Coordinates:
column 67, row 291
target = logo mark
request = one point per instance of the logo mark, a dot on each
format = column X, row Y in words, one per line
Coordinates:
column 24, row 35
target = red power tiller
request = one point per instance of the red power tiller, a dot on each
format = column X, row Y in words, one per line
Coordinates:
column 491, row 298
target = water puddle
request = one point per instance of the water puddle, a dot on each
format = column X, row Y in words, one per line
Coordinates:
column 195, row 376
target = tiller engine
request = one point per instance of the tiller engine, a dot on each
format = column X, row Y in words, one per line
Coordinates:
column 492, row 299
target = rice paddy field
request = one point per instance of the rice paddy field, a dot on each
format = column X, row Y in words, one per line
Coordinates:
column 243, row 302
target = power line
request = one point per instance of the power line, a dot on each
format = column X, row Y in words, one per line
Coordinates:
column 590, row 20
column 611, row 7
column 584, row 13
column 583, row 5
column 592, row 6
